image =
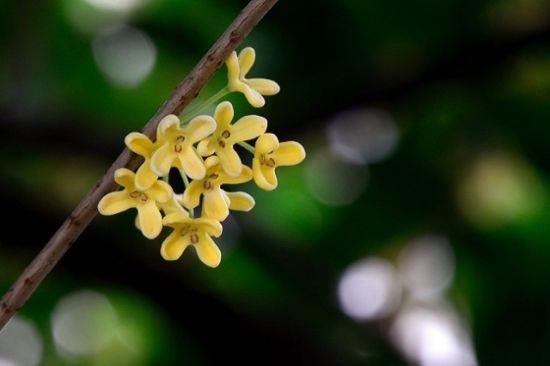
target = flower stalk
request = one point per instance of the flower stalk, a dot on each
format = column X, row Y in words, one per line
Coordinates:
column 85, row 211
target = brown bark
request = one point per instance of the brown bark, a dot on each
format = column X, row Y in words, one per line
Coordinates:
column 86, row 210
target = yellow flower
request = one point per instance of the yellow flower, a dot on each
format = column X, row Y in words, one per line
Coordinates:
column 215, row 203
column 196, row 232
column 253, row 89
column 176, row 145
column 141, row 145
column 269, row 155
column 226, row 135
column 145, row 201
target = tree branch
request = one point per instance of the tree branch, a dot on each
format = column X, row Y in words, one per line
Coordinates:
column 86, row 210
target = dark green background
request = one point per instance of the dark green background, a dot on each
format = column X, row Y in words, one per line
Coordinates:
column 468, row 85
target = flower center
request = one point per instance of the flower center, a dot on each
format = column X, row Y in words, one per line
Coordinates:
column 264, row 160
column 142, row 196
column 184, row 230
column 177, row 147
column 226, row 134
column 208, row 185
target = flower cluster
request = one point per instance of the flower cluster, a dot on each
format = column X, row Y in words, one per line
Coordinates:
column 202, row 148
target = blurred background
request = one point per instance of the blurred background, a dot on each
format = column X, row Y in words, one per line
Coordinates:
column 416, row 232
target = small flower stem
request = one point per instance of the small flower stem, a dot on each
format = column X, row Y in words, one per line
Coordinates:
column 248, row 147
column 186, row 117
column 184, row 177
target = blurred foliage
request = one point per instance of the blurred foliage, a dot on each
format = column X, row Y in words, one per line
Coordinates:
column 466, row 83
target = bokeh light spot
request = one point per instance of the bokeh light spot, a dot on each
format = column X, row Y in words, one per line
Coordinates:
column 432, row 337
column 333, row 181
column 500, row 189
column 124, row 54
column 20, row 343
column 83, row 323
column 116, row 5
column 363, row 135
column 369, row 289
column 426, row 266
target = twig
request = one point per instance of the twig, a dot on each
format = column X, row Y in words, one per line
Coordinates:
column 86, row 210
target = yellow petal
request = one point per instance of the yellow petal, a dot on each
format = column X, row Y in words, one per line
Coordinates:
column 150, row 220
column 207, row 146
column 167, row 126
column 214, row 205
column 145, row 176
column 199, row 128
column 248, row 128
column 125, row 177
column 245, row 176
column 233, row 70
column 230, row 161
column 171, row 206
column 208, row 251
column 211, row 162
column 175, row 218
column 264, row 176
column 173, row 246
column 289, row 153
column 264, row 86
column 240, row 201
column 192, row 194
column 246, row 60
column 191, row 163
column 160, row 191
column 162, row 160
column 211, row 226
column 115, row 202
column 139, row 143
column 253, row 97
column 224, row 115
column 266, row 143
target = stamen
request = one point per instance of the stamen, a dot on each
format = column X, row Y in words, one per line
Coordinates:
column 143, row 198
column 194, row 238
column 214, row 176
column 207, row 185
column 177, row 148
column 184, row 230
column 226, row 134
column 134, row 194
column 222, row 144
column 180, row 139
column 270, row 162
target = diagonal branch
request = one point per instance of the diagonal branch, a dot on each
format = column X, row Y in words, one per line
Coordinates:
column 86, row 210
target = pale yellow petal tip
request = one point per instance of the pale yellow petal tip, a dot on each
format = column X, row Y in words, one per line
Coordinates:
column 167, row 256
column 213, row 264
column 167, row 122
column 211, row 257
column 153, row 234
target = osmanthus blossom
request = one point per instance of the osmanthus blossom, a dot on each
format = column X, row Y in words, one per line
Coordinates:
column 227, row 135
column 143, row 146
column 183, row 146
column 271, row 154
column 253, row 89
column 216, row 202
column 145, row 201
column 176, row 145
column 196, row 232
